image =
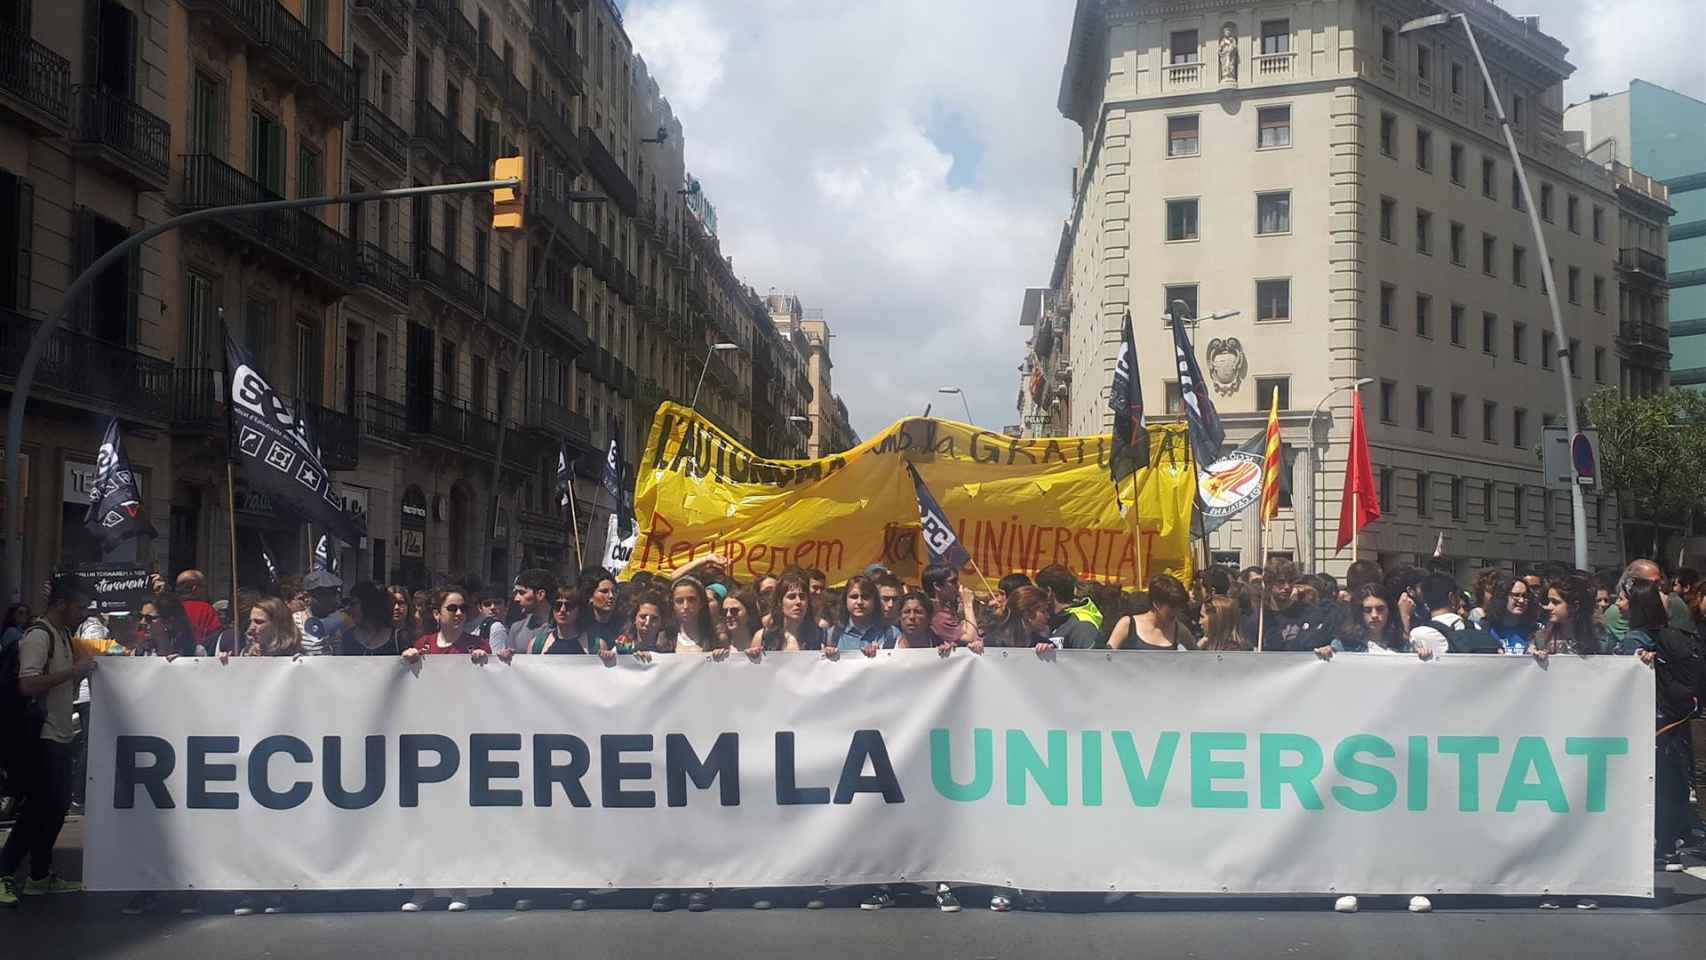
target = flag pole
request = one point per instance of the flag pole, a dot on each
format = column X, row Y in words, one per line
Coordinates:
column 1356, row 514
column 1262, row 601
column 574, row 520
column 1137, row 536
column 230, row 465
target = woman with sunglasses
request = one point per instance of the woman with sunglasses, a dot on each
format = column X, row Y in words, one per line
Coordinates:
column 740, row 624
column 565, row 634
column 864, row 628
column 450, row 610
column 1510, row 614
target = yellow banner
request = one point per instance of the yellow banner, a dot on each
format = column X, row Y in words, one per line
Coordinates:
column 1018, row 505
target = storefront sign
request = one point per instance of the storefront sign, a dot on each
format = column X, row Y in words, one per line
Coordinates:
column 76, row 480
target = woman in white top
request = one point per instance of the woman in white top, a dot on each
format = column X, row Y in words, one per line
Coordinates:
column 695, row 631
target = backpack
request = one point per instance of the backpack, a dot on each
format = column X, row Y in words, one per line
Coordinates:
column 485, row 631
column 21, row 717
column 1467, row 638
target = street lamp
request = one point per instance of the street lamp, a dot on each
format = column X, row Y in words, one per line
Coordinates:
column 962, row 396
column 1578, row 505
column 1315, row 459
column 715, row 348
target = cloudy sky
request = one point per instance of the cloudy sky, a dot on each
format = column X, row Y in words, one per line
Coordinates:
column 901, row 164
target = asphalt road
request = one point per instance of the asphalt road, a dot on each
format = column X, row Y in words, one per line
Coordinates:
column 341, row 925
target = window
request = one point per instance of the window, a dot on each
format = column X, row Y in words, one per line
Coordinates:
column 1573, row 213
column 1458, row 256
column 1265, row 387
column 1457, row 324
column 1186, row 292
column 1488, row 493
column 1388, row 44
column 1424, row 150
column 1486, row 96
column 1490, row 334
column 1457, row 404
column 1598, row 224
column 1386, row 489
column 1489, row 178
column 1172, row 402
column 1273, row 212
column 1546, row 349
column 1424, row 232
column 1516, row 192
column 1424, row 62
column 1516, row 110
column 1489, row 421
column 309, row 178
column 201, row 321
column 1519, row 265
column 1456, row 164
column 1424, row 408
column 1599, row 293
column 1519, row 341
column 1388, row 294
column 1456, row 79
column 1182, row 47
column 1598, row 364
column 1545, row 202
column 1273, row 300
column 1388, row 214
column 1575, row 284
column 1276, row 37
column 1424, row 493
column 1457, row 498
column 1182, row 139
column 1273, row 127
column 1519, row 427
column 1388, row 400
column 1575, row 358
column 1181, row 220
column 1424, row 316
column 309, row 362
column 207, row 116
column 1489, row 255
column 266, row 153
column 1389, row 135
column 314, row 15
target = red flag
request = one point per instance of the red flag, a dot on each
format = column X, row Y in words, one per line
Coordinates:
column 1361, row 504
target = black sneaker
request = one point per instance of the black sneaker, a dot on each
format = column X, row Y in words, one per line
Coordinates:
column 698, row 901
column 877, row 901
column 945, row 899
column 663, row 903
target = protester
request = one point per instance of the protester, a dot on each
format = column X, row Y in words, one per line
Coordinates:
column 889, row 592
column 402, row 611
column 564, row 635
column 740, row 624
column 916, row 612
column 864, row 628
column 49, row 670
column 1073, row 624
column 1571, row 627
column 324, row 628
column 794, row 624
column 1676, row 662
column 192, row 590
column 373, row 632
column 1219, row 620
column 1285, row 623
column 1509, row 613
column 1403, row 592
column 955, row 619
column 450, row 607
column 272, row 632
column 533, row 594
column 420, row 606
column 600, row 623
column 1446, row 630
column 1160, row 628
column 17, row 621
column 1370, row 629
column 487, row 622
column 691, row 625
column 641, row 637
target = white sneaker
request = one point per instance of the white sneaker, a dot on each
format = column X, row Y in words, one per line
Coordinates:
column 412, row 906
column 457, row 905
column 1345, row 904
column 524, row 904
column 1000, row 904
column 244, row 909
column 1587, row 904
column 1421, row 905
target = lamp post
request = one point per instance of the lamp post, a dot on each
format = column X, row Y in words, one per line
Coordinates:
column 715, row 348
column 1578, row 505
column 962, row 396
column 1315, row 464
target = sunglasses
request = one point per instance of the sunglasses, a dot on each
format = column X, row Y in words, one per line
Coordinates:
column 1549, row 602
column 454, row 608
column 149, row 617
column 565, row 604
column 733, row 613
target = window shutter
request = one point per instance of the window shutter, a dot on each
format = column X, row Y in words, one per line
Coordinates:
column 133, row 294
column 24, row 245
column 92, row 10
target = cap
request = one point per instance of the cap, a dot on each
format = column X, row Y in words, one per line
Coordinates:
column 875, row 569
column 720, row 590
column 322, row 580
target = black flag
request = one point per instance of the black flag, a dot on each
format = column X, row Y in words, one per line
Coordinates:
column 1131, row 434
column 1207, row 435
column 565, row 490
column 939, row 536
column 115, row 498
column 614, row 481
column 276, row 449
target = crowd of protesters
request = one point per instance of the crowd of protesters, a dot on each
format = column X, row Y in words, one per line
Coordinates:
column 1542, row 612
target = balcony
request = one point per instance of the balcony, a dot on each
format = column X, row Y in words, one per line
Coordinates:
column 1641, row 262
column 295, row 235
column 515, row 96
column 432, row 131
column 332, row 81
column 454, row 424
column 609, row 172
column 381, row 136
column 35, row 82
column 630, row 381
column 551, row 421
column 195, row 404
column 461, row 41
column 464, row 156
column 492, row 70
column 86, row 371
column 649, row 394
column 434, row 15
column 453, row 283
column 390, row 16
column 129, row 141
column 559, row 320
column 1182, row 76
column 545, row 211
column 554, row 37
column 1274, row 66
column 382, row 273
column 338, row 435
column 284, row 44
column 1645, row 334
column 601, row 261
column 544, row 117
column 504, row 313
column 384, row 421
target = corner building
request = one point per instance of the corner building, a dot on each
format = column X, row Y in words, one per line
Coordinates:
column 1346, row 189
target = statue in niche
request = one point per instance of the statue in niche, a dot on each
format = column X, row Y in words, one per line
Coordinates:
column 1228, row 53
column 1227, row 365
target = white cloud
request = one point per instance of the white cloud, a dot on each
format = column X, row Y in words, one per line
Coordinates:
column 683, row 47
column 1621, row 40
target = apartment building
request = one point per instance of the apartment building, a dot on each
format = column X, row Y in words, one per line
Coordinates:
column 1344, row 188
column 816, row 410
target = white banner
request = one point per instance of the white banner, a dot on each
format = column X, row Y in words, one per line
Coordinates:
column 1095, row 771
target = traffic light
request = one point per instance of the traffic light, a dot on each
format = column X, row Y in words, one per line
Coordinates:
column 506, row 201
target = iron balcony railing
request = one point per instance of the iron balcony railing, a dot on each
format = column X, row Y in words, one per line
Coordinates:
column 88, row 369
column 454, row 282
column 392, row 15
column 377, row 132
column 543, row 116
column 137, row 138
column 332, row 78
column 434, row 15
column 553, row 418
column 560, row 320
column 610, row 173
column 35, row 75
column 1646, row 334
column 432, row 129
column 515, row 96
column 492, row 69
column 195, row 403
column 454, row 423
column 338, row 435
column 461, row 39
column 1651, row 264
column 384, row 419
column 504, row 313
column 382, row 272
column 465, row 157
column 294, row 234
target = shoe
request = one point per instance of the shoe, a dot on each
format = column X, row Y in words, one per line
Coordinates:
column 8, row 892
column 1345, row 904
column 50, row 884
column 877, row 901
column 274, row 907
column 1587, row 904
column 1421, row 905
column 138, row 905
column 761, row 904
column 1548, row 905
column 458, row 905
column 1000, row 904
column 1671, row 864
column 1031, row 902
column 245, row 908
column 816, row 902
column 579, row 903
column 698, row 901
column 523, row 905
column 945, row 899
column 662, row 903
column 412, row 906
